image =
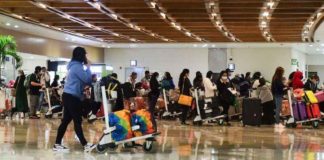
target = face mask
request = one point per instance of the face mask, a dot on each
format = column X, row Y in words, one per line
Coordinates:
column 224, row 78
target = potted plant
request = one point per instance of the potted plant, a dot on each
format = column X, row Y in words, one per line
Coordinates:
column 8, row 47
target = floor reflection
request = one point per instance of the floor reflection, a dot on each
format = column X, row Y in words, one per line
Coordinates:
column 33, row 139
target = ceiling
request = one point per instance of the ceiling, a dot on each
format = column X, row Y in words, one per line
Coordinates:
column 171, row 21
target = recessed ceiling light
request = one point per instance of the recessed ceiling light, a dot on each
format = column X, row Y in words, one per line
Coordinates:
column 211, row 3
column 16, row 26
column 8, row 24
column 132, row 39
column 318, row 14
column 152, row 34
column 214, row 14
column 153, row 4
column 114, row 16
column 67, row 16
column 116, row 34
column 270, row 4
column 163, row 15
column 265, row 14
column 41, row 5
column 188, row 33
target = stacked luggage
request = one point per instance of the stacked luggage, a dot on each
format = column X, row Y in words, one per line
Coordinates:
column 305, row 108
column 168, row 105
column 128, row 125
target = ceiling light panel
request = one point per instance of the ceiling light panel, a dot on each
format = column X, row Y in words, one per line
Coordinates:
column 170, row 20
column 75, row 19
column 109, row 12
column 309, row 27
column 212, row 8
column 265, row 17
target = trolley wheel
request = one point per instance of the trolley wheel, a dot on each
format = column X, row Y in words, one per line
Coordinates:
column 101, row 148
column 112, row 146
column 197, row 123
column 291, row 125
column 315, row 124
column 220, row 122
column 147, row 146
column 48, row 115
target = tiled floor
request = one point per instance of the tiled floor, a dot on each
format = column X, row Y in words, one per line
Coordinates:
column 33, row 139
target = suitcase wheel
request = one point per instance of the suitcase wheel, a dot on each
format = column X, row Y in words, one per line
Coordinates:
column 315, row 124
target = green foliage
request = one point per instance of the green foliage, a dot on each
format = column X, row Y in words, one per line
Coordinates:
column 8, row 47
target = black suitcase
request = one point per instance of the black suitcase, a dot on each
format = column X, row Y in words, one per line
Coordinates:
column 252, row 112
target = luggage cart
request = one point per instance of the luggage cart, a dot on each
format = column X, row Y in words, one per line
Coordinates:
column 57, row 110
column 198, row 120
column 106, row 141
column 167, row 114
column 292, row 123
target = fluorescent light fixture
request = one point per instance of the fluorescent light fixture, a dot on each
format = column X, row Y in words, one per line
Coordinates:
column 8, row 24
column 67, row 16
column 217, row 23
column 16, row 26
column 130, row 25
column 318, row 14
column 137, row 28
column 153, row 4
column 165, row 39
column 270, row 4
column 132, row 39
column 88, row 25
column 265, row 14
column 97, row 5
column 188, row 33
column 198, row 38
column 211, row 3
column 115, row 34
column 214, row 14
column 163, row 15
column 114, row 16
column 152, row 34
column 41, row 5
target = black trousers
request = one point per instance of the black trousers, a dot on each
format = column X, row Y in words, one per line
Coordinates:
column 95, row 106
column 72, row 111
column 225, row 106
column 153, row 100
column 184, row 113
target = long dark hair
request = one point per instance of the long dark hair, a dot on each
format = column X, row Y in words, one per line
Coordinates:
column 256, row 75
column 79, row 54
column 209, row 74
column 181, row 77
column 221, row 74
column 154, row 76
column 167, row 76
column 278, row 74
column 198, row 77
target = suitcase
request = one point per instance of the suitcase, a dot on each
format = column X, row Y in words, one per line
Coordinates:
column 252, row 111
column 142, row 118
column 122, row 121
column 311, row 97
column 320, row 96
column 313, row 111
column 299, row 111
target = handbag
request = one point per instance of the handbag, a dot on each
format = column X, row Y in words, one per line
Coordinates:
column 184, row 99
column 14, row 90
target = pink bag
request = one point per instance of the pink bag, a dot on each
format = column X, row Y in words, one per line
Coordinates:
column 320, row 96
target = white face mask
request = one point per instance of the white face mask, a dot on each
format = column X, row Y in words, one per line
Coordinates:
column 224, row 78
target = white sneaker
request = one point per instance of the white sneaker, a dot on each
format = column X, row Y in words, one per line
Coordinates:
column 60, row 148
column 281, row 126
column 38, row 113
column 89, row 147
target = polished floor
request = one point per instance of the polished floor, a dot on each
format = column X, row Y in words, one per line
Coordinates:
column 33, row 139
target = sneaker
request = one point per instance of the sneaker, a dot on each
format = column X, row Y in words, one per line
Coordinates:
column 89, row 147
column 60, row 148
column 281, row 126
column 38, row 113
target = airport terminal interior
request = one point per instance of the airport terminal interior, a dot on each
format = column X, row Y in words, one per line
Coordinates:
column 162, row 79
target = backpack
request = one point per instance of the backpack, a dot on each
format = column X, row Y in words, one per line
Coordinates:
column 27, row 81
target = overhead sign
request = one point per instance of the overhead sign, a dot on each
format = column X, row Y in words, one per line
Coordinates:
column 294, row 62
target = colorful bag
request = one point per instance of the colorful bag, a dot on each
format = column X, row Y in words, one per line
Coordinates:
column 142, row 118
column 313, row 111
column 285, row 108
column 299, row 111
column 185, row 100
column 320, row 96
column 311, row 97
column 121, row 120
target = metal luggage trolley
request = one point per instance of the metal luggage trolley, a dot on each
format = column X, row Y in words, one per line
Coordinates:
column 167, row 113
column 106, row 141
column 198, row 120
column 292, row 122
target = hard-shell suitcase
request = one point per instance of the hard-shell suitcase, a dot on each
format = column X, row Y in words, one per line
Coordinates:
column 311, row 97
column 320, row 96
column 285, row 108
column 299, row 110
column 313, row 111
column 252, row 111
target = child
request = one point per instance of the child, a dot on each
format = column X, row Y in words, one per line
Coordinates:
column 264, row 93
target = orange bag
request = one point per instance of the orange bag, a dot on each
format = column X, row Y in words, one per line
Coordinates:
column 185, row 100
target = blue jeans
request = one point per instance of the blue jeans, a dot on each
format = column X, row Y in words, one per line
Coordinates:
column 278, row 101
column 41, row 100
